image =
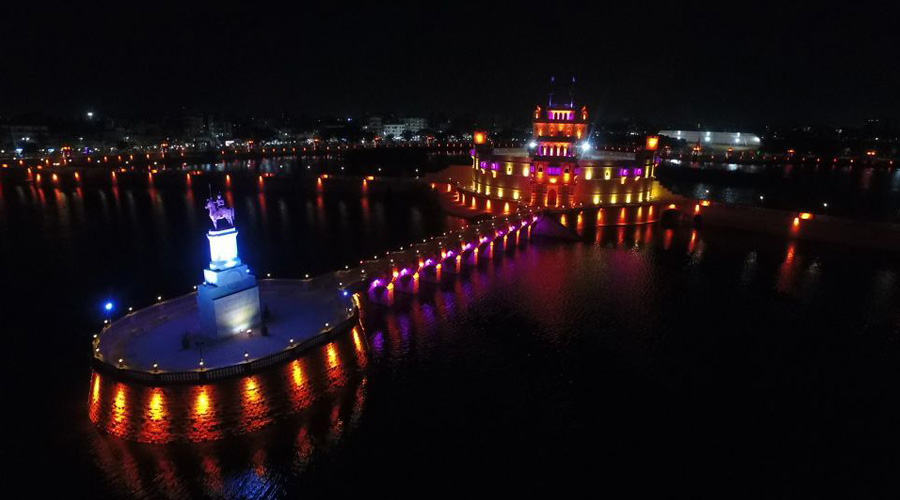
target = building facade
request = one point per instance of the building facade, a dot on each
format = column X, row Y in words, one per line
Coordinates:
column 560, row 169
column 737, row 141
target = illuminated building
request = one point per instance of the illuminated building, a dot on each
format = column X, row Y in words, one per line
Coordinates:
column 559, row 168
column 737, row 141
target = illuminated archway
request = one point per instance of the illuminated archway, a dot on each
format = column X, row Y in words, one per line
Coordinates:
column 551, row 198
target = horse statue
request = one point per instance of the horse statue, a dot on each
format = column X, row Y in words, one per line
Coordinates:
column 218, row 211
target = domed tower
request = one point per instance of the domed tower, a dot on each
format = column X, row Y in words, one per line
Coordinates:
column 559, row 136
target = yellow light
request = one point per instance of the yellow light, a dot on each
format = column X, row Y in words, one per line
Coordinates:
column 332, row 356
column 157, row 405
column 806, row 216
column 596, row 199
column 356, row 341
column 119, row 406
column 297, row 373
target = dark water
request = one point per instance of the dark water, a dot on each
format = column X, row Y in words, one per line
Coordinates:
column 640, row 360
column 854, row 191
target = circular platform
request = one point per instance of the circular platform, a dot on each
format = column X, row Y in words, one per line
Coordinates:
column 166, row 337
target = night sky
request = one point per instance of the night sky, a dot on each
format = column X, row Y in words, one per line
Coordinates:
column 732, row 64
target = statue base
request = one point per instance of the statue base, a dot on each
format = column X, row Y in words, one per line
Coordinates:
column 229, row 298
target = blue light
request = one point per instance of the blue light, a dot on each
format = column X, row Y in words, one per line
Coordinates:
column 345, row 293
column 108, row 306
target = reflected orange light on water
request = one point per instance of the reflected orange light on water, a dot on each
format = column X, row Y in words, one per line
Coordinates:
column 156, row 422
column 297, row 373
column 119, row 405
column 157, row 409
column 251, row 389
column 95, row 389
column 255, row 410
column 332, row 356
column 201, row 405
column 94, row 406
column 356, row 340
column 204, row 425
column 229, row 407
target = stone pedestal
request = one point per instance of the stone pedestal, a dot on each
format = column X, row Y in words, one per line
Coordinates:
column 228, row 299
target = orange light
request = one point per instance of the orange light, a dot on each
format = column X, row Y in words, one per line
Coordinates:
column 705, row 203
column 672, row 206
column 806, row 215
column 201, row 406
column 297, row 373
column 652, row 143
column 332, row 356
column 480, row 137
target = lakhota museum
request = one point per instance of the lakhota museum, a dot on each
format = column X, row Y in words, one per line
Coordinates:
column 559, row 170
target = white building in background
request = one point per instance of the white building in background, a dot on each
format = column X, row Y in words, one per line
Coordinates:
column 397, row 129
column 393, row 129
column 414, row 125
column 715, row 140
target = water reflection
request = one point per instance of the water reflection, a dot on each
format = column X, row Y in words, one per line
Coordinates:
column 228, row 408
column 223, row 430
